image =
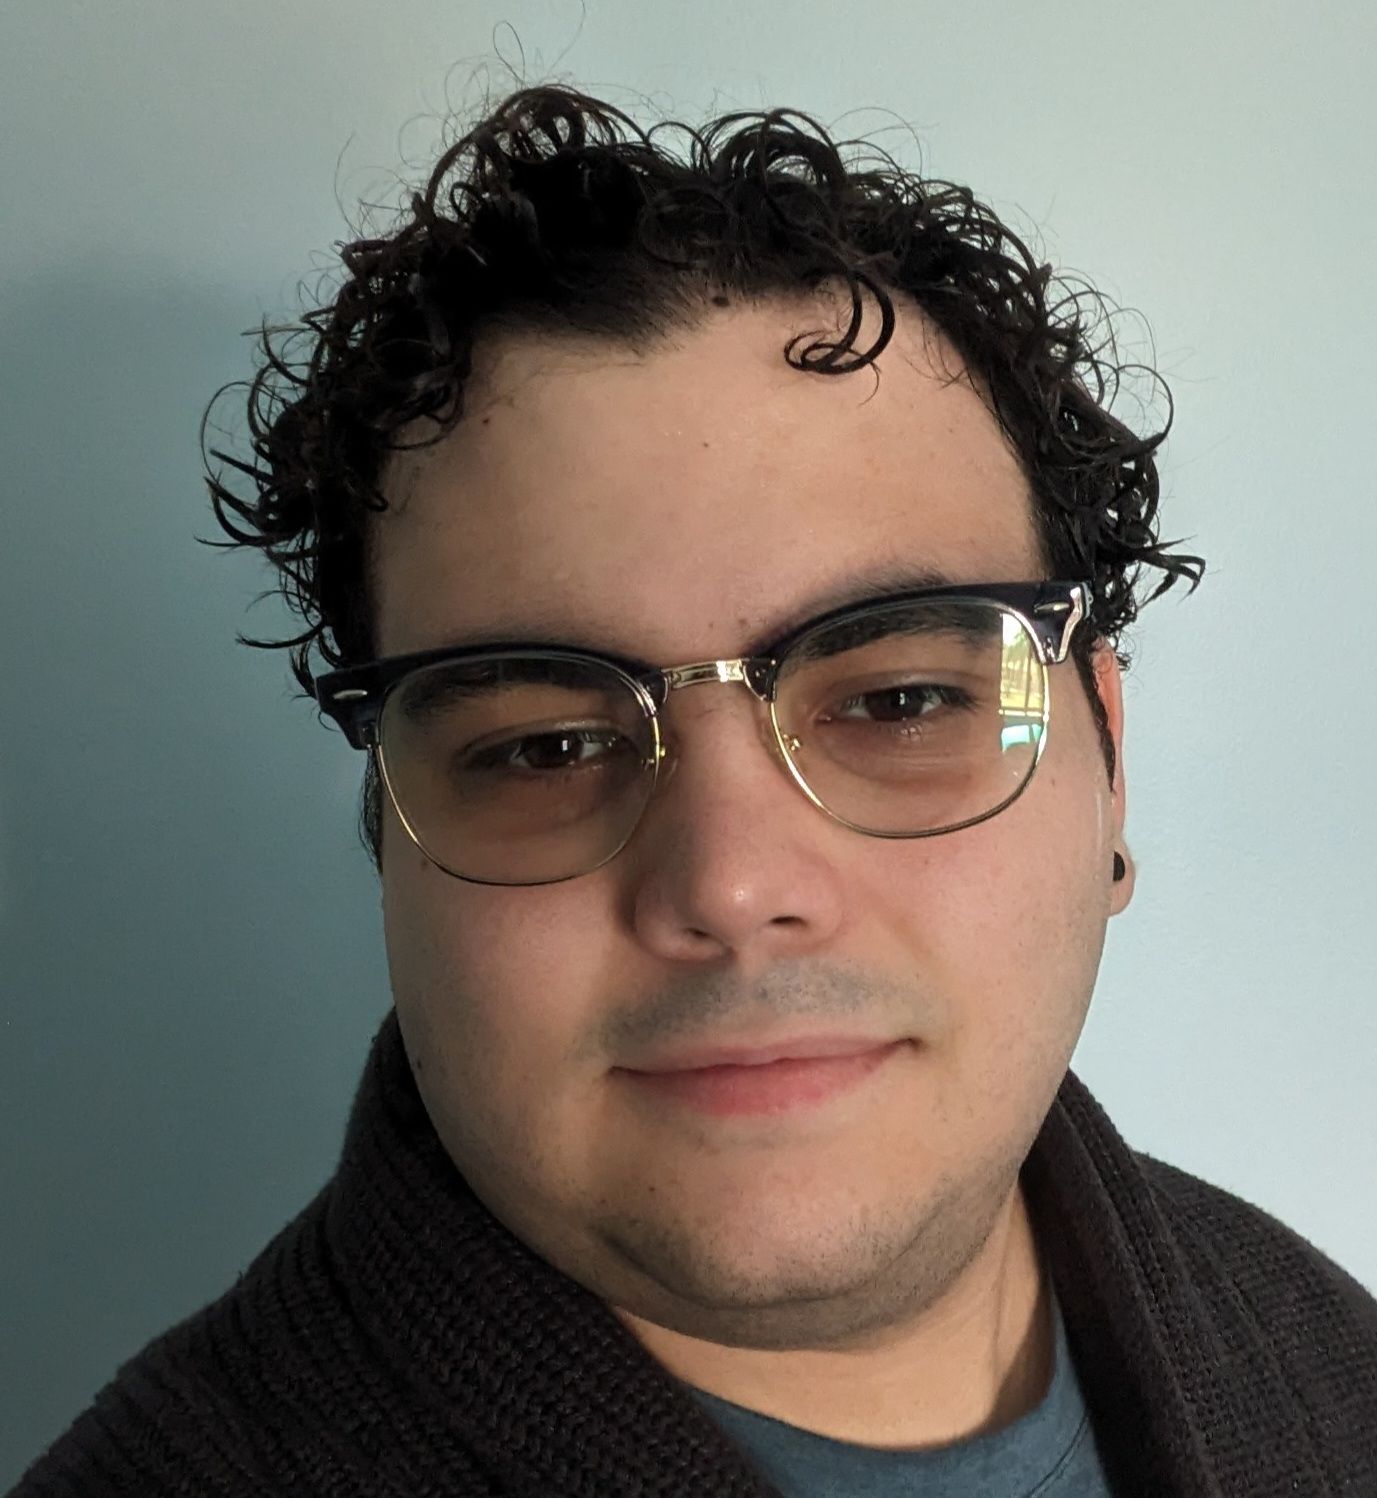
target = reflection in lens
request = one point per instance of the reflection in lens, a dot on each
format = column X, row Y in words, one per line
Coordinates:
column 517, row 769
column 915, row 717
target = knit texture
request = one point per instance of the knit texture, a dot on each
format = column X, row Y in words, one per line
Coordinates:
column 394, row 1340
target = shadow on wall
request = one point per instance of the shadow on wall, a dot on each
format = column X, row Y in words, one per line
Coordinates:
column 185, row 910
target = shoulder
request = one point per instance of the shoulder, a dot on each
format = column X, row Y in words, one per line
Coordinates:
column 162, row 1426
column 174, row 1418
column 274, row 1388
column 1318, row 1319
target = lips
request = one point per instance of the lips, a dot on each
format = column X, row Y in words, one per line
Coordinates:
column 772, row 1088
column 801, row 1048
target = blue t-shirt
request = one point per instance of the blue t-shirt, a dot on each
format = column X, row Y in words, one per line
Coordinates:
column 1049, row 1452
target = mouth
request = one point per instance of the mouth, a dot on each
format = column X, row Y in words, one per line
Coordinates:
column 778, row 1087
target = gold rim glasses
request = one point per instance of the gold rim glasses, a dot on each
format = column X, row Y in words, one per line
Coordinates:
column 525, row 763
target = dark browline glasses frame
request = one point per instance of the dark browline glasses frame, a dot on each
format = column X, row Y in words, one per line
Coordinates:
column 1049, row 611
column 354, row 696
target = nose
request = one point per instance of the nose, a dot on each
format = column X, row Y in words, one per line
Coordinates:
column 730, row 858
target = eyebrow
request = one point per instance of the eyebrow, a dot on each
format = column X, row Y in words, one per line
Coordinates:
column 547, row 629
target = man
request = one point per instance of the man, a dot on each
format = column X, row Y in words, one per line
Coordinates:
column 747, row 791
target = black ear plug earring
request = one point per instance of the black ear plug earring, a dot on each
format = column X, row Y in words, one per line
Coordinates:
column 1120, row 867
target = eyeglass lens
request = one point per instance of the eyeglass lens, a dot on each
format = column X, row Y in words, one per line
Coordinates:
column 908, row 719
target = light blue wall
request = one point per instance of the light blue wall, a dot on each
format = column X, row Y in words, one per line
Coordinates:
column 192, row 951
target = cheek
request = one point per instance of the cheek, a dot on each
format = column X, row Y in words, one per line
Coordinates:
column 499, row 977
column 492, row 1009
column 1005, row 920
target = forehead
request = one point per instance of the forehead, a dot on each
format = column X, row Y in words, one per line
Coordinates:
column 675, row 503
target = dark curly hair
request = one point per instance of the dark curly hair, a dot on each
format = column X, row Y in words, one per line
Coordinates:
column 556, row 213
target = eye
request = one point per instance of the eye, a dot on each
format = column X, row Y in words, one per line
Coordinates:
column 545, row 753
column 905, row 702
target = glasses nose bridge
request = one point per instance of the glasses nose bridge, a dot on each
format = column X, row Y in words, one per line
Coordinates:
column 752, row 670
column 757, row 673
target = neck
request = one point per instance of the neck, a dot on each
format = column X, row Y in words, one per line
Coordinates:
column 972, row 1363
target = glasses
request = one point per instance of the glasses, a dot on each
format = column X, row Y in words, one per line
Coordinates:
column 913, row 716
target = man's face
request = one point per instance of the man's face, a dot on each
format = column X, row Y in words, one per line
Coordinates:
column 674, row 508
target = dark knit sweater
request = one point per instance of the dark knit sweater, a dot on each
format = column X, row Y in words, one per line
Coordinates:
column 394, row 1340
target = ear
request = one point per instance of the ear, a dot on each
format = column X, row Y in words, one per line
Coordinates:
column 1108, row 677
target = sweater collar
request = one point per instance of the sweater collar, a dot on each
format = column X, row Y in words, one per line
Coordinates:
column 502, row 1340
